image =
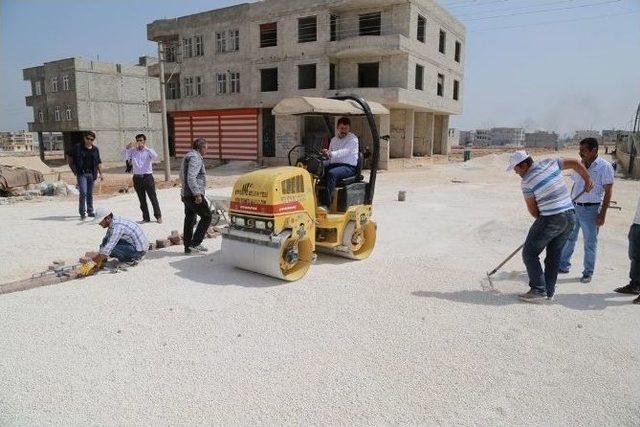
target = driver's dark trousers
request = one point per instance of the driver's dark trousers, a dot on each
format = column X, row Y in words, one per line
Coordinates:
column 332, row 174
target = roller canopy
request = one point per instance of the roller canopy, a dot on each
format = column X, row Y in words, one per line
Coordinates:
column 309, row 105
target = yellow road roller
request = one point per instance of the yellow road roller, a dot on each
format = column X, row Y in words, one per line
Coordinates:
column 275, row 224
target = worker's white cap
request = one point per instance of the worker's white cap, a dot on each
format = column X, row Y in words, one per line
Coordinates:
column 100, row 214
column 515, row 158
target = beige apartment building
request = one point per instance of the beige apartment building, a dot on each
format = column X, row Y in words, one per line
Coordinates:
column 227, row 68
column 21, row 141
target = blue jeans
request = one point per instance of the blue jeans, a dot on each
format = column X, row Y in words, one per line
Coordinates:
column 634, row 255
column 85, row 187
column 587, row 216
column 550, row 233
column 332, row 174
column 123, row 251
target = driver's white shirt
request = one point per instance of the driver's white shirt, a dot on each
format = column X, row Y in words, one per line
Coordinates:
column 344, row 150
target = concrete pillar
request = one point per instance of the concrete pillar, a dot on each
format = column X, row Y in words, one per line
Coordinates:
column 397, row 134
column 41, row 145
column 429, row 134
column 384, row 129
column 409, row 122
column 288, row 131
column 446, row 147
column 420, row 134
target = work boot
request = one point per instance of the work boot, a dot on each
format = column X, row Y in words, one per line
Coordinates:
column 533, row 297
column 636, row 301
column 628, row 289
column 563, row 271
column 159, row 220
column 585, row 279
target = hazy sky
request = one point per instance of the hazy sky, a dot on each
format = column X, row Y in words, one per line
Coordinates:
column 541, row 64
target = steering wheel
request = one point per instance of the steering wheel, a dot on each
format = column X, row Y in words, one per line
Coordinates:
column 312, row 160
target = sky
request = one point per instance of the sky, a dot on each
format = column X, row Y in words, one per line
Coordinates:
column 557, row 65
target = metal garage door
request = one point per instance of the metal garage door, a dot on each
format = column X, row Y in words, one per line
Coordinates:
column 230, row 134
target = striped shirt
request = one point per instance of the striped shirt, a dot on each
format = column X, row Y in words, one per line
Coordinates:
column 127, row 230
column 601, row 173
column 544, row 182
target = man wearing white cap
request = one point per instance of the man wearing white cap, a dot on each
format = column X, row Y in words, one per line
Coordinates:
column 549, row 202
column 124, row 240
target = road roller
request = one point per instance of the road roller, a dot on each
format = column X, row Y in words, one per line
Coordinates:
column 276, row 227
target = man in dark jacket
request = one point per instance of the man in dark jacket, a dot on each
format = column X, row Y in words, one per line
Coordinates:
column 194, row 183
column 84, row 161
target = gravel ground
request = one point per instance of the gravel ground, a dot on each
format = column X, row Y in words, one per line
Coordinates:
column 411, row 335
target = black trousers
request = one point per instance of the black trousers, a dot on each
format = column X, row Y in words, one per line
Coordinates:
column 145, row 186
column 191, row 212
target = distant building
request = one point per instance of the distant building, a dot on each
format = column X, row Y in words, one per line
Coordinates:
column 454, row 137
column 612, row 136
column 579, row 135
column 74, row 95
column 482, row 137
column 466, row 137
column 53, row 141
column 16, row 141
column 513, row 137
column 541, row 139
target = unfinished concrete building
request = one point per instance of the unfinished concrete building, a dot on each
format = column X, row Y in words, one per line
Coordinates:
column 227, row 68
column 74, row 95
column 541, row 139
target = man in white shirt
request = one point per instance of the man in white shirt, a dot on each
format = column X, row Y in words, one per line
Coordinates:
column 633, row 288
column 142, row 158
column 591, row 208
column 342, row 160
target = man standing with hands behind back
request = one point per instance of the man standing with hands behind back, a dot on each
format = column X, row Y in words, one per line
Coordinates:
column 142, row 158
column 591, row 208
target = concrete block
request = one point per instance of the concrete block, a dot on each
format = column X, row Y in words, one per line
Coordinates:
column 91, row 254
column 175, row 240
column 162, row 243
column 175, row 233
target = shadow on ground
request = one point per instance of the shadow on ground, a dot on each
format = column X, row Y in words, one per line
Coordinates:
column 62, row 218
column 210, row 270
column 496, row 298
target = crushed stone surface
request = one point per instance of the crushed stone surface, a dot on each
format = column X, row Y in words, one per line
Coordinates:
column 412, row 335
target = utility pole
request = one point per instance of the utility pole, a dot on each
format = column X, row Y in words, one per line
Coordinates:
column 163, row 101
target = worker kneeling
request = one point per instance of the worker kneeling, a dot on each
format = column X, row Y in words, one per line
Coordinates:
column 342, row 160
column 124, row 240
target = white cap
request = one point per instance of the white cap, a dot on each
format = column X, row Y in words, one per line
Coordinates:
column 515, row 158
column 100, row 214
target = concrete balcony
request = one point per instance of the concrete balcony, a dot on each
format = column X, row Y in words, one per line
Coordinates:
column 163, row 30
column 31, row 126
column 154, row 69
column 362, row 46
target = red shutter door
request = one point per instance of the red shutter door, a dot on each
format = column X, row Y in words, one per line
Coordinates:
column 230, row 134
column 239, row 134
column 182, row 134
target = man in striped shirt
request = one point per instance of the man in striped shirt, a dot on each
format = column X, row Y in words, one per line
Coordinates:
column 549, row 202
column 124, row 240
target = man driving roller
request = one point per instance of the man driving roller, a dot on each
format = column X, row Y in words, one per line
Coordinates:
column 342, row 160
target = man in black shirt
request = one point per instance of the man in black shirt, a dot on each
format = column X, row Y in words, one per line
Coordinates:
column 84, row 160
